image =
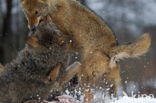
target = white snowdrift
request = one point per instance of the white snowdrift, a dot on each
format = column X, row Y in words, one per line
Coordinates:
column 124, row 99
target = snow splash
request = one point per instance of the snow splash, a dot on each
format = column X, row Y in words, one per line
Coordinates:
column 126, row 99
column 100, row 97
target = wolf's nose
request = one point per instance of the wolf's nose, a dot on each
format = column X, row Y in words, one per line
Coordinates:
column 32, row 28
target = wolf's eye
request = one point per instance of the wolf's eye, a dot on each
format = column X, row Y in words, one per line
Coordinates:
column 37, row 13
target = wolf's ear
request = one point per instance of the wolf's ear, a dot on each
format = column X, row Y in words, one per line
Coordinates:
column 136, row 49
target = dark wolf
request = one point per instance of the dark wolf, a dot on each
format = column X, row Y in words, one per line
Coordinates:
column 38, row 69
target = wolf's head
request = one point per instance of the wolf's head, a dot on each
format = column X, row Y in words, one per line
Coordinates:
column 38, row 10
column 45, row 36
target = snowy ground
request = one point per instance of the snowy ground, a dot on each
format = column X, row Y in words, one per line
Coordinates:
column 124, row 99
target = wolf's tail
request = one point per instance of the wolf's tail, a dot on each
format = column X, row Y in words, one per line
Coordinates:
column 136, row 49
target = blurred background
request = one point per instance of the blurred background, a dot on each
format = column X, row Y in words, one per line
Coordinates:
column 127, row 18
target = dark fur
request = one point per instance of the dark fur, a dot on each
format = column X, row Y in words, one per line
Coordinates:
column 23, row 78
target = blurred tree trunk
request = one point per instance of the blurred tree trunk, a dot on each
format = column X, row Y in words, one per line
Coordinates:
column 6, row 26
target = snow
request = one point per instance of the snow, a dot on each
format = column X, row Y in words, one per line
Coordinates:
column 131, row 99
column 100, row 97
column 132, row 86
column 127, row 99
column 124, row 99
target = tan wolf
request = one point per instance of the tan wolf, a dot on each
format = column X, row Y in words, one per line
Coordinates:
column 92, row 36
